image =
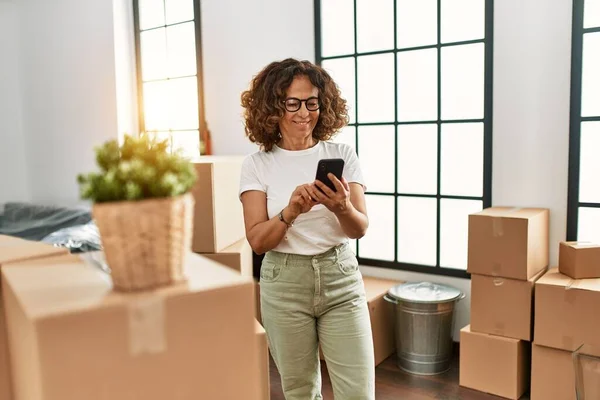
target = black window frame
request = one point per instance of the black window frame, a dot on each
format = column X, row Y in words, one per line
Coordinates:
column 487, row 122
column 573, row 203
column 202, row 125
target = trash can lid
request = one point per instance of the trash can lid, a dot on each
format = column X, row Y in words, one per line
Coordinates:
column 425, row 292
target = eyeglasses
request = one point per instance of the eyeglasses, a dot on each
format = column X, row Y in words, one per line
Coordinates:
column 293, row 104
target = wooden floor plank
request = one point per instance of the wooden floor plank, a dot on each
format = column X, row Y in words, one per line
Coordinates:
column 391, row 383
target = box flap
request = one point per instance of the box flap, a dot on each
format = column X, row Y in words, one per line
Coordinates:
column 581, row 245
column 511, row 212
column 20, row 250
column 467, row 330
column 538, row 276
column 376, row 287
column 236, row 248
column 258, row 328
column 67, row 287
column 5, row 240
column 554, row 278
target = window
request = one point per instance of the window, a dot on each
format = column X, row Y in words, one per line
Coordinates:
column 169, row 66
column 583, row 219
column 418, row 79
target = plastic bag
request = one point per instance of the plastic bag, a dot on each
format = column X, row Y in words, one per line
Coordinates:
column 37, row 221
column 78, row 239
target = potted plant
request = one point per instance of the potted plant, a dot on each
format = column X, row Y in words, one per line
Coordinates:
column 143, row 208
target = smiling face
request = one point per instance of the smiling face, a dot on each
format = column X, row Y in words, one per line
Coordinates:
column 297, row 126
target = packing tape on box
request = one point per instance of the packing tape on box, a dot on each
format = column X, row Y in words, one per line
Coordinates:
column 497, row 228
column 570, row 292
column 496, row 269
column 497, row 224
column 146, row 315
column 499, row 328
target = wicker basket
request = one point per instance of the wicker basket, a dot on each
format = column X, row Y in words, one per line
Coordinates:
column 146, row 242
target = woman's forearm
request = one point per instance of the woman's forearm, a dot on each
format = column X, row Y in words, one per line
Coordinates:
column 267, row 235
column 353, row 222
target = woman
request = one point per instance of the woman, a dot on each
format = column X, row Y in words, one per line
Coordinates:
column 311, row 288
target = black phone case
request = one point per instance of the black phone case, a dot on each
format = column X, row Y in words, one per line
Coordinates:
column 333, row 165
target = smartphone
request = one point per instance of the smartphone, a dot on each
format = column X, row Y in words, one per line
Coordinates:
column 327, row 165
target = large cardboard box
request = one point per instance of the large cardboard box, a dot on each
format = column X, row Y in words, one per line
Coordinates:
column 8, row 240
column 72, row 337
column 13, row 250
column 508, row 242
column 218, row 214
column 567, row 312
column 382, row 317
column 494, row 364
column 502, row 306
column 238, row 256
column 553, row 375
column 263, row 359
column 579, row 260
column 257, row 312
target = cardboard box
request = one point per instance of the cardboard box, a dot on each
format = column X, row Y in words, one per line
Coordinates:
column 502, row 306
column 494, row 364
column 382, row 317
column 553, row 375
column 237, row 256
column 567, row 312
column 72, row 337
column 9, row 240
column 579, row 260
column 257, row 312
column 508, row 242
column 263, row 358
column 14, row 250
column 216, row 195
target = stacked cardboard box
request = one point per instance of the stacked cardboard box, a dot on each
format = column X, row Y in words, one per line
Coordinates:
column 567, row 325
column 382, row 317
column 219, row 231
column 507, row 254
column 263, row 361
column 72, row 337
column 12, row 251
column 218, row 215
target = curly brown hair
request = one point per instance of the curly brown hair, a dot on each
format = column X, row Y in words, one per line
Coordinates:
column 263, row 107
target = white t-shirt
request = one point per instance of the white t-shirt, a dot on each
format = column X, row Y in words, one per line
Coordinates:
column 279, row 172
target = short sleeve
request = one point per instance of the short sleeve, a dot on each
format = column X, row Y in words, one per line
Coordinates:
column 352, row 168
column 250, row 177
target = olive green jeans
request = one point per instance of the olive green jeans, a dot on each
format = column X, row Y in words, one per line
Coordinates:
column 311, row 300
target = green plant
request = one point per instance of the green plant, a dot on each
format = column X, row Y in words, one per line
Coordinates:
column 141, row 168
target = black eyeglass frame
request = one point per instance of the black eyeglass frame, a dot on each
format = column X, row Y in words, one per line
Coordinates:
column 300, row 101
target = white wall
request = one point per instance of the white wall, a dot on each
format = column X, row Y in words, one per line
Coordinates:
column 532, row 56
column 125, row 73
column 239, row 38
column 68, row 91
column 77, row 90
column 14, row 178
column 532, row 74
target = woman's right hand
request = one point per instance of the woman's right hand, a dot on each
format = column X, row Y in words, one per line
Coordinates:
column 301, row 201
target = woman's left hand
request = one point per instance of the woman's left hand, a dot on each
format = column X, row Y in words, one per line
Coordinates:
column 337, row 202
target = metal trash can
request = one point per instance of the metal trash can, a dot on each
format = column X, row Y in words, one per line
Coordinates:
column 424, row 323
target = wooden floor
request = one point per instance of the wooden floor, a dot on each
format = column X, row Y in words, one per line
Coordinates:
column 391, row 383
